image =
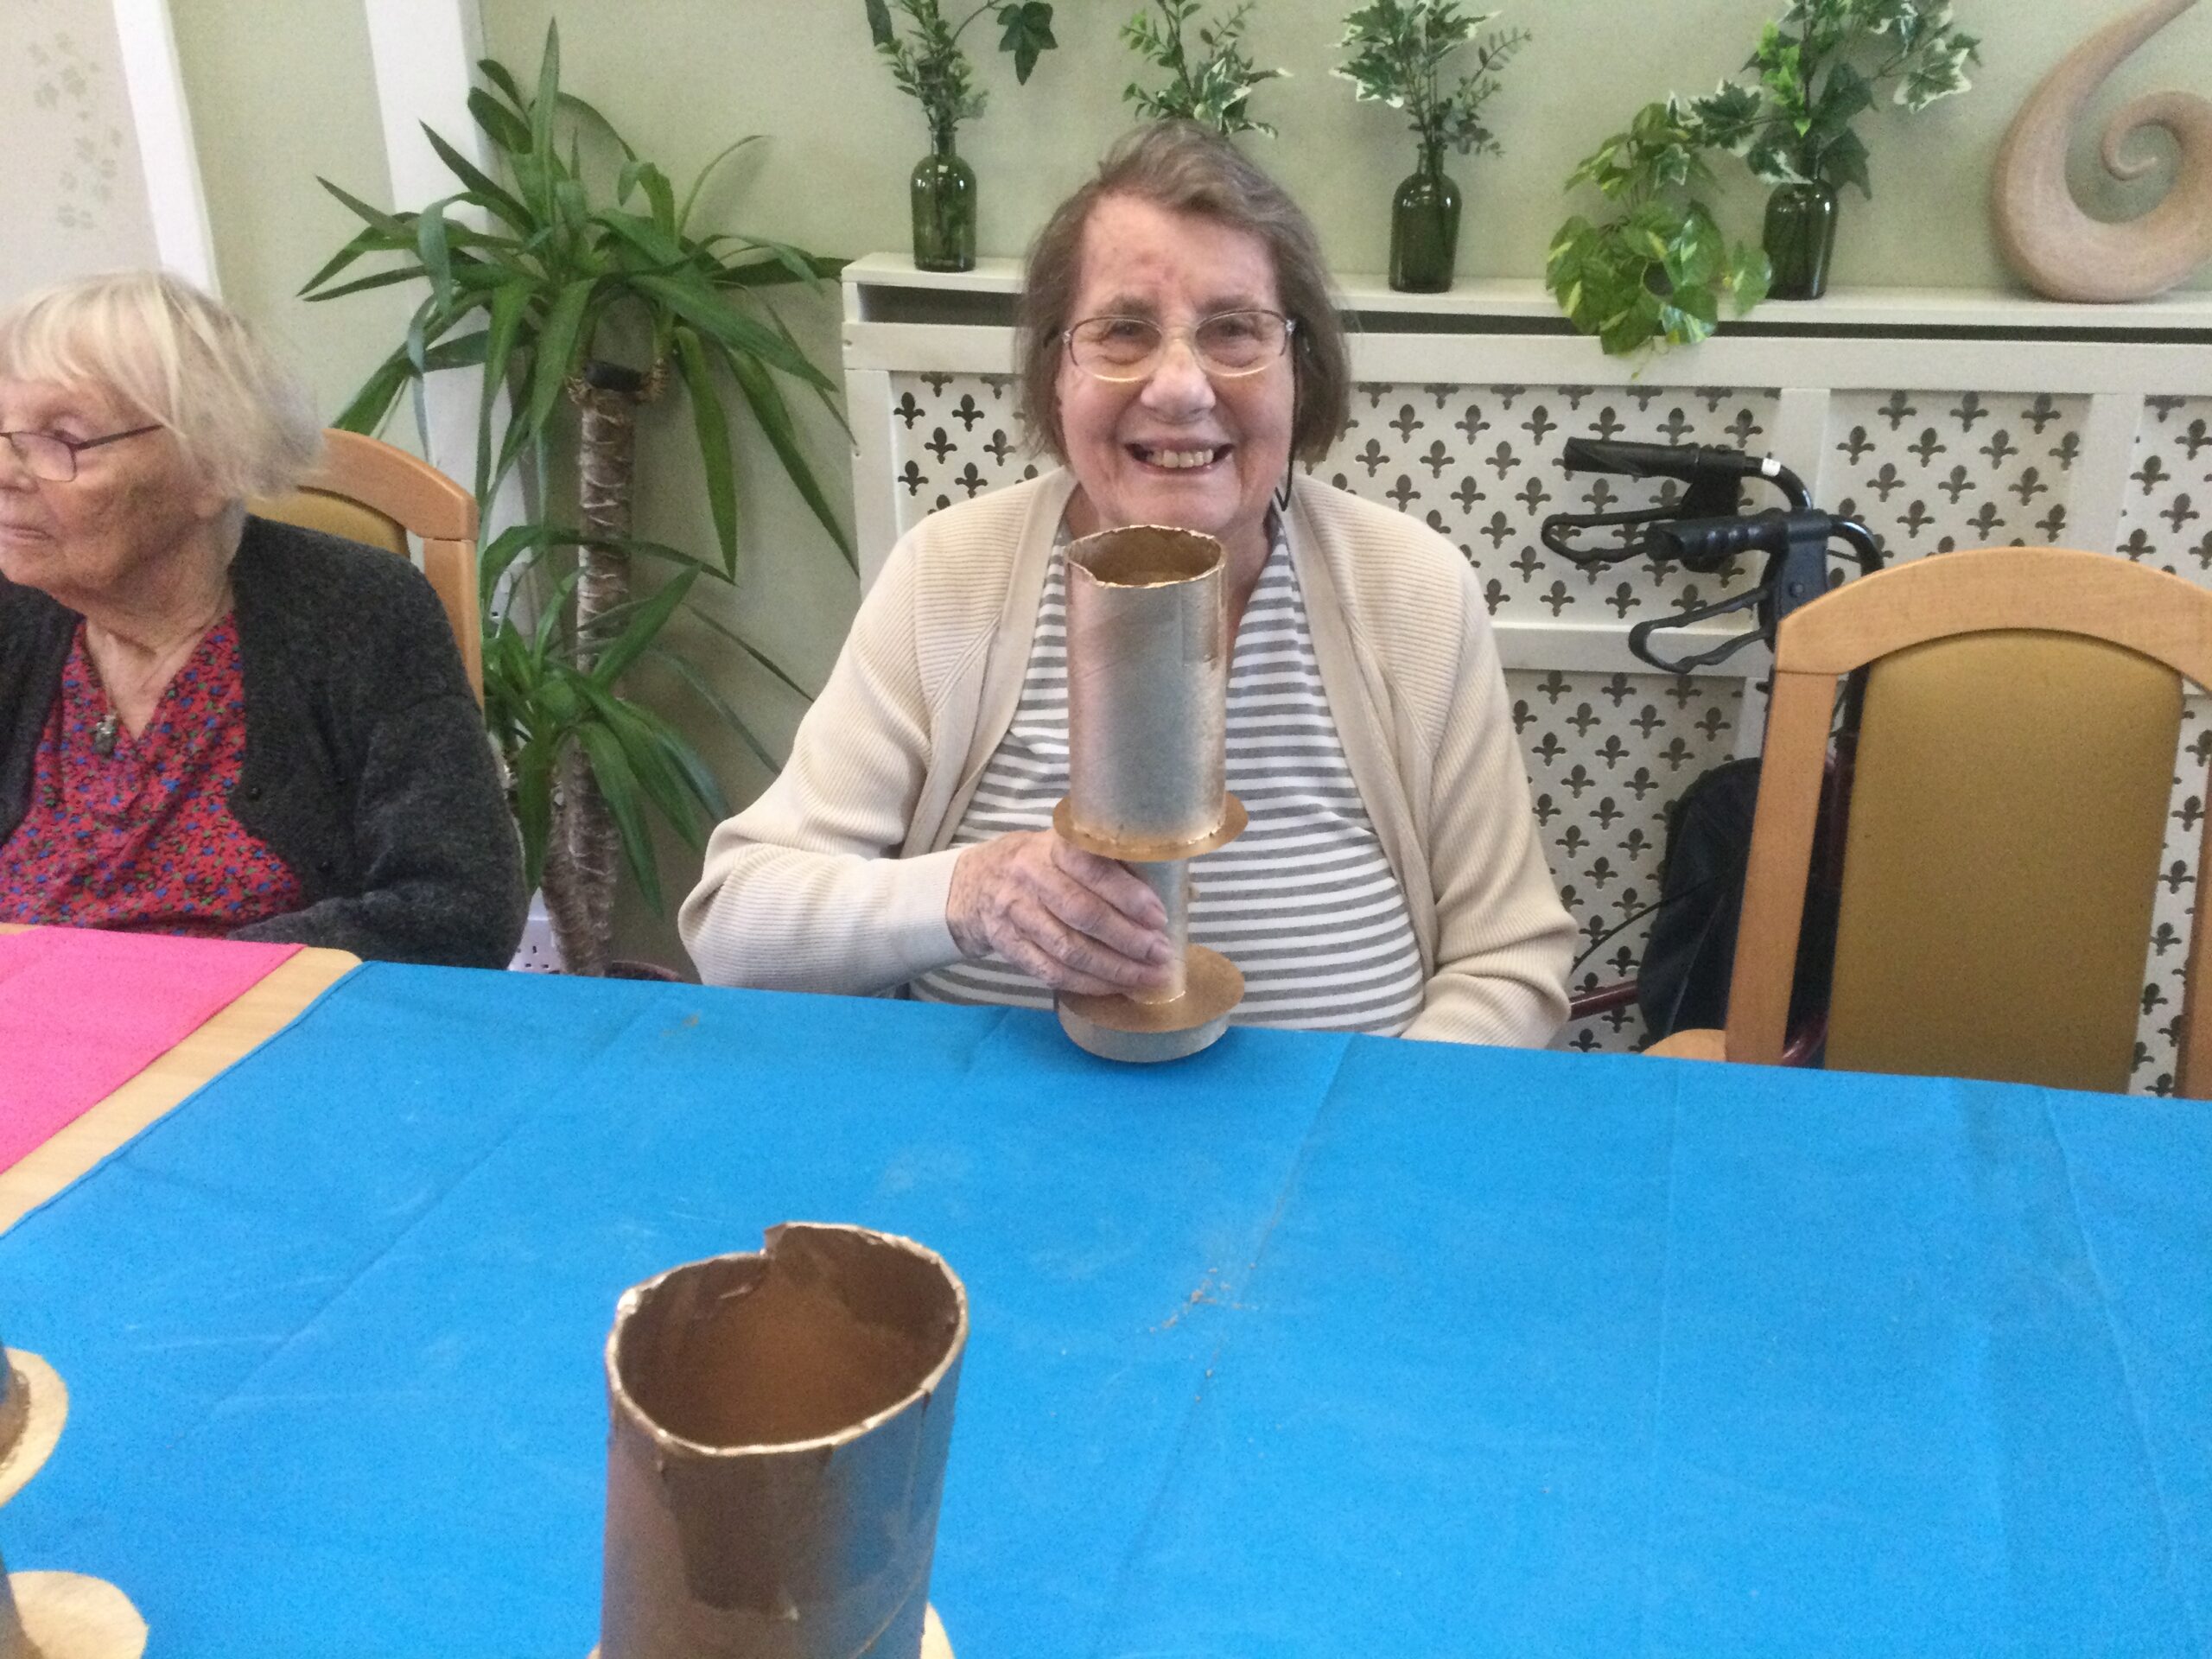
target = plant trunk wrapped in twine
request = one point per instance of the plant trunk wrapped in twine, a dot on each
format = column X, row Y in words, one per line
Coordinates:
column 582, row 855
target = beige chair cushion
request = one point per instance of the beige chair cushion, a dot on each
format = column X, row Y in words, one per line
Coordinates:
column 2007, row 815
column 335, row 515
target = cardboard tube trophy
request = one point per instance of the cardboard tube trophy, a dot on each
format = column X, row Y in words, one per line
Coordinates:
column 51, row 1615
column 1147, row 724
column 780, row 1425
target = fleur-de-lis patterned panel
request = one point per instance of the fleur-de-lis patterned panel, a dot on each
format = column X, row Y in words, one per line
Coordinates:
column 953, row 436
column 1607, row 753
column 1482, row 466
column 1930, row 471
column 2166, row 522
column 2157, row 1034
column 2167, row 511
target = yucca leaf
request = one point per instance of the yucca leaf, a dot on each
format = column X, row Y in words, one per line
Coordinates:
column 532, row 766
column 498, row 75
column 510, row 303
column 691, row 197
column 555, row 615
column 369, row 240
column 548, row 93
column 689, row 673
column 395, row 226
column 490, row 194
column 501, row 552
column 640, row 630
column 465, row 352
column 663, row 252
column 800, row 265
column 510, row 135
column 701, row 615
column 362, row 284
column 373, row 403
column 557, row 352
column 585, row 108
column 823, row 394
column 713, row 428
column 715, row 318
column 646, row 745
column 775, row 419
column 435, row 251
column 618, row 786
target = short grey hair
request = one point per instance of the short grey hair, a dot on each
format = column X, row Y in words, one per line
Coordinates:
column 1187, row 168
column 182, row 358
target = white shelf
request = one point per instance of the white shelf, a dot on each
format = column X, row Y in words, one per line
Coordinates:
column 1945, row 310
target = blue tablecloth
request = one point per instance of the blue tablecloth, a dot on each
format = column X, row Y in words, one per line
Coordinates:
column 1308, row 1346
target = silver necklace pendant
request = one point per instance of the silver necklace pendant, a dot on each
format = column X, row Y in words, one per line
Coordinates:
column 104, row 735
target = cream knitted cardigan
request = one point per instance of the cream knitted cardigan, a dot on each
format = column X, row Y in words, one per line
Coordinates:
column 835, row 879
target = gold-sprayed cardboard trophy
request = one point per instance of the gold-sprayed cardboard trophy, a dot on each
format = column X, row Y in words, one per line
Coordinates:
column 779, row 1424
column 1147, row 764
column 51, row 1615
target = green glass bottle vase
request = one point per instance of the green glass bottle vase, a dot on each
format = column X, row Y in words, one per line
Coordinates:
column 1799, row 237
column 1425, row 227
column 943, row 192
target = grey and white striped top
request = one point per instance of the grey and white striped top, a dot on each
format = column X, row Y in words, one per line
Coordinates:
column 1303, row 902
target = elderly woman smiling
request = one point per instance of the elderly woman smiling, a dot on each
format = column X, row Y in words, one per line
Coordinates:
column 209, row 723
column 1179, row 348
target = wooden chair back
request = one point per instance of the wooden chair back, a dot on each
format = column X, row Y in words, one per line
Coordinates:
column 2008, row 806
column 369, row 491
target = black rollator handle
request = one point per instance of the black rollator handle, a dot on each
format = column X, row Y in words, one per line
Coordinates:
column 1704, row 529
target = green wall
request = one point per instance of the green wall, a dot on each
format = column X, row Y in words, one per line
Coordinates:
column 280, row 94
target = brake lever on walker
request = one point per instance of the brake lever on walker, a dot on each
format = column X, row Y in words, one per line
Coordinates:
column 1639, row 637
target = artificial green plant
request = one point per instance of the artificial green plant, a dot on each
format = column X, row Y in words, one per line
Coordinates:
column 1661, row 268
column 568, row 299
column 930, row 65
column 1212, row 86
column 1817, row 67
column 1399, row 49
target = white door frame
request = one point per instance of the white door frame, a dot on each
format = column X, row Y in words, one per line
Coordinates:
column 153, row 82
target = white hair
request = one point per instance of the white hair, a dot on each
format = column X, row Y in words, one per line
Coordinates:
column 185, row 360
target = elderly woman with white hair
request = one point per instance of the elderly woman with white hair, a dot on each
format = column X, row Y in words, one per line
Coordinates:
column 211, row 723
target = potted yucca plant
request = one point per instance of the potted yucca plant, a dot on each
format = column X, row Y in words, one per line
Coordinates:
column 579, row 304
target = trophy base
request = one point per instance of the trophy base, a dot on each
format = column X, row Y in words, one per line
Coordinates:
column 934, row 1644
column 1123, row 1028
column 68, row 1616
column 47, row 1405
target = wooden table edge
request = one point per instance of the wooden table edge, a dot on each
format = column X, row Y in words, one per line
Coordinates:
column 258, row 1014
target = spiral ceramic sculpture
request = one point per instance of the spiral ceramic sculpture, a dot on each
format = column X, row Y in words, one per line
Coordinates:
column 2055, row 247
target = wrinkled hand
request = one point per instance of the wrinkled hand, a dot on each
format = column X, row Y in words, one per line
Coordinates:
column 1070, row 919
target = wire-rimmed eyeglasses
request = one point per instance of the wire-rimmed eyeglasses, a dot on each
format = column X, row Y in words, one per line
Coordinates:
column 50, row 457
column 1226, row 345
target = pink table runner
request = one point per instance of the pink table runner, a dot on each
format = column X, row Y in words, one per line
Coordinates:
column 82, row 1012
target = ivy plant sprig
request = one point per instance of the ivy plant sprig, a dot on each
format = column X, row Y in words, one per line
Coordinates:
column 1663, row 267
column 930, row 65
column 1818, row 67
column 1213, row 88
column 1399, row 48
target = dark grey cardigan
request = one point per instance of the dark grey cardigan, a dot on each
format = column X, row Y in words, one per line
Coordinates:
column 366, row 766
